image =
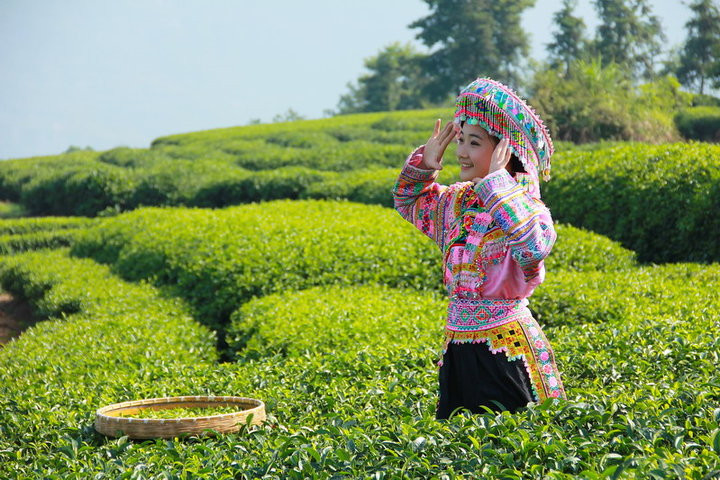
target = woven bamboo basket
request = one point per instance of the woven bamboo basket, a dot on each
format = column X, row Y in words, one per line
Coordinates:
column 109, row 423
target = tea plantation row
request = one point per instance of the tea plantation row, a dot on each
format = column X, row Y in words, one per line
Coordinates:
column 652, row 198
column 19, row 235
column 218, row 259
column 353, row 394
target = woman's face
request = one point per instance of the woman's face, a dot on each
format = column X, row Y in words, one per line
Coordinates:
column 474, row 151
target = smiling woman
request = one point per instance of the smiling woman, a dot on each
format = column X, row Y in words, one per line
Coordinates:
column 494, row 233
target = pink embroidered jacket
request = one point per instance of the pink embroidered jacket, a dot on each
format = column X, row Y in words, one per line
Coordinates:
column 493, row 235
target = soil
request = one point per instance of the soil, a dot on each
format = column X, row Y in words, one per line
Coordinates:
column 15, row 317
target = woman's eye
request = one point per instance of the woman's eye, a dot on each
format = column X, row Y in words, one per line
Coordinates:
column 475, row 143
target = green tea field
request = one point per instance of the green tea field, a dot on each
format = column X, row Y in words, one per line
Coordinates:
column 267, row 261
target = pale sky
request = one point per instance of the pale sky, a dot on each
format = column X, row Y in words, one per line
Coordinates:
column 104, row 73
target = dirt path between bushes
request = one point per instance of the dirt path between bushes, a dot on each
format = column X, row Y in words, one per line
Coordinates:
column 15, row 317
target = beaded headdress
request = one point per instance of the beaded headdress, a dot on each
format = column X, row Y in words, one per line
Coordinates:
column 504, row 114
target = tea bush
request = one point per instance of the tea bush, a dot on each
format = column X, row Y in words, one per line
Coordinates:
column 572, row 298
column 21, row 234
column 36, row 240
column 17, row 226
column 323, row 320
column 219, row 259
column 80, row 190
column 626, row 191
column 102, row 339
column 656, row 200
column 642, row 385
column 699, row 123
column 198, row 168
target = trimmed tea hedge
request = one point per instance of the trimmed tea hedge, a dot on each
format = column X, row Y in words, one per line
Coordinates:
column 18, row 226
column 659, row 201
column 324, row 320
column 36, row 240
column 189, row 169
column 21, row 234
column 699, row 123
column 643, row 389
column 105, row 340
column 219, row 259
column 654, row 199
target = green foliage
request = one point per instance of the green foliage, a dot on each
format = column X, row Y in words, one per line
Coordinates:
column 699, row 123
column 22, row 234
column 324, row 320
column 591, row 102
column 636, row 346
column 470, row 39
column 19, row 226
column 104, row 341
column 394, row 82
column 571, row 298
column 699, row 100
column 11, row 210
column 654, row 199
column 580, row 250
column 218, row 259
column 700, row 56
column 199, row 168
column 36, row 240
column 628, row 35
column 14, row 174
column 569, row 42
column 81, row 190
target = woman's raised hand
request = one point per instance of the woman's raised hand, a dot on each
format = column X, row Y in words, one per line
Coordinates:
column 436, row 145
column 501, row 156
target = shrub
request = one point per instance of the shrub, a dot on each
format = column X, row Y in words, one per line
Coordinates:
column 19, row 226
column 642, row 386
column 324, row 320
column 654, row 199
column 699, row 123
column 591, row 102
column 218, row 259
column 36, row 240
column 82, row 190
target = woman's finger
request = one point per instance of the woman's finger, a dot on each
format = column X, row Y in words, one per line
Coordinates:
column 438, row 122
column 448, row 134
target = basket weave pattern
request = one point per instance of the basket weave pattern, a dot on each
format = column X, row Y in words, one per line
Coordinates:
column 108, row 422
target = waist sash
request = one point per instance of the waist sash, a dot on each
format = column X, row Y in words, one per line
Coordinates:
column 467, row 315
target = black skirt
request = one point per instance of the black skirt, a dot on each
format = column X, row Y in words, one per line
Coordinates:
column 472, row 376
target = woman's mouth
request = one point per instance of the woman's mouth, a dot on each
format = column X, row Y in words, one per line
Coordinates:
column 465, row 165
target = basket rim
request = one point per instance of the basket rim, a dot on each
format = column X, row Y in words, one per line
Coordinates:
column 100, row 414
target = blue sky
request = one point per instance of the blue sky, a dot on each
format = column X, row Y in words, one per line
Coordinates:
column 121, row 73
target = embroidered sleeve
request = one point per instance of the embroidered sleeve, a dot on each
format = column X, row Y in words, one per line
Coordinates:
column 417, row 196
column 524, row 219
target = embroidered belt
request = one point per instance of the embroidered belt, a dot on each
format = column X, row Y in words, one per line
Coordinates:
column 471, row 314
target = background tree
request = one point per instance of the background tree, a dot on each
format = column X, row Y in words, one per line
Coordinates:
column 474, row 38
column 393, row 83
column 289, row 116
column 628, row 35
column 569, row 42
column 700, row 57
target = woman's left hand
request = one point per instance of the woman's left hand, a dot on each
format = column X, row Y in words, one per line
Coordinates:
column 500, row 158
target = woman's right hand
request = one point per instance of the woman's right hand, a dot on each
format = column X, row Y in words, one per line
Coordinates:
column 436, row 145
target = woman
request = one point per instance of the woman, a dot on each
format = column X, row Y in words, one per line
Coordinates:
column 494, row 233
